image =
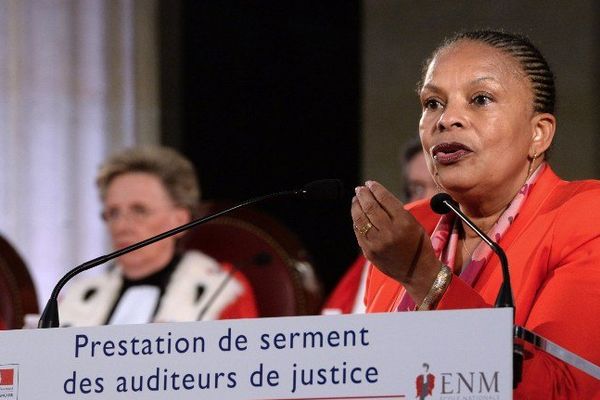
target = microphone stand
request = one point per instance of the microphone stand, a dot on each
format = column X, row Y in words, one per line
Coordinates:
column 442, row 203
column 505, row 296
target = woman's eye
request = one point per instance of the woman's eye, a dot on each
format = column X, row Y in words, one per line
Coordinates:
column 431, row 104
column 140, row 211
column 482, row 100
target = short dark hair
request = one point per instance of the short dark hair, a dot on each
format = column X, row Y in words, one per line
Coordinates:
column 531, row 60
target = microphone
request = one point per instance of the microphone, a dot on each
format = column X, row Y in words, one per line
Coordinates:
column 443, row 203
column 324, row 189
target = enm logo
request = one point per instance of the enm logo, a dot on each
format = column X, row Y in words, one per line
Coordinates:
column 470, row 382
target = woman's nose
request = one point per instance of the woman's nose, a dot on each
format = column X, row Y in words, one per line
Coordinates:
column 452, row 117
column 120, row 224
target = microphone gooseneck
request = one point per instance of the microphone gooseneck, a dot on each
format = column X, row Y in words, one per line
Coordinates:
column 443, row 203
column 325, row 189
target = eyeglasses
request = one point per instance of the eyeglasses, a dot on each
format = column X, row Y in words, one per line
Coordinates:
column 136, row 214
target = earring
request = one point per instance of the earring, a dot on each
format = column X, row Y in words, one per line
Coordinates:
column 535, row 155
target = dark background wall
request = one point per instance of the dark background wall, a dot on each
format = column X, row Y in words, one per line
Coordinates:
column 266, row 97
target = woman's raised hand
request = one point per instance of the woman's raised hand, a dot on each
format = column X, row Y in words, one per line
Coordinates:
column 393, row 240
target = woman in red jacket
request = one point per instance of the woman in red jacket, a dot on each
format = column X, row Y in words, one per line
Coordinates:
column 487, row 122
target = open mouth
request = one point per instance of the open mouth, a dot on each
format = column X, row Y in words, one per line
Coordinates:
column 449, row 153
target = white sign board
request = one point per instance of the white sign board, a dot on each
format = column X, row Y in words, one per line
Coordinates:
column 450, row 354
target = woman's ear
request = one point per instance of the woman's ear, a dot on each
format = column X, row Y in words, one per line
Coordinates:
column 181, row 216
column 544, row 126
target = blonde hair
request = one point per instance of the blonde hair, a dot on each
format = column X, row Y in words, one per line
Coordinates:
column 176, row 173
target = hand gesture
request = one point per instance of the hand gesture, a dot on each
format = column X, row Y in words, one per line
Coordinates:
column 392, row 239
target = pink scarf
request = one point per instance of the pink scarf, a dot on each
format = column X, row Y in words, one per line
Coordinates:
column 445, row 237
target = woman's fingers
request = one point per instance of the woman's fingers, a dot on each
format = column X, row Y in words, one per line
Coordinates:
column 362, row 223
column 371, row 209
column 386, row 199
column 375, row 212
column 387, row 234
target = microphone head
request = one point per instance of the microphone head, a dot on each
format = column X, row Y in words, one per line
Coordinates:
column 438, row 203
column 323, row 189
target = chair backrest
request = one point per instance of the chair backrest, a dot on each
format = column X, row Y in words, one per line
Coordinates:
column 17, row 291
column 267, row 253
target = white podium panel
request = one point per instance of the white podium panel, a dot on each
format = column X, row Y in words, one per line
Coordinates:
column 450, row 354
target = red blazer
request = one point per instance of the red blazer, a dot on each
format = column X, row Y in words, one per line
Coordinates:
column 344, row 296
column 553, row 249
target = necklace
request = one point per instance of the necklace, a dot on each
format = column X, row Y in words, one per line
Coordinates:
column 464, row 241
